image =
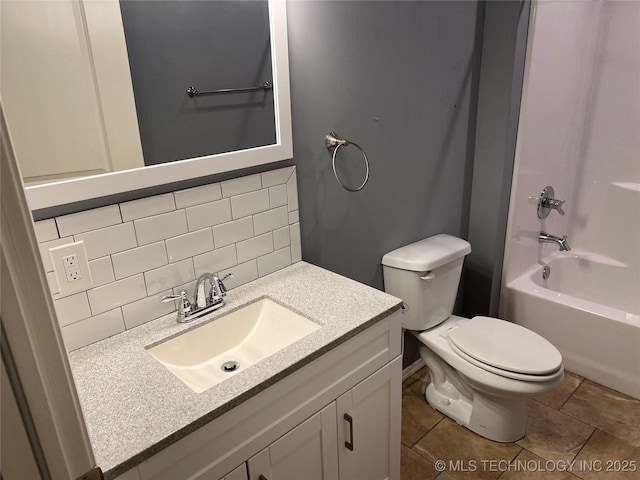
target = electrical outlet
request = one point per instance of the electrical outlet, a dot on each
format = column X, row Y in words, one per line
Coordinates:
column 71, row 268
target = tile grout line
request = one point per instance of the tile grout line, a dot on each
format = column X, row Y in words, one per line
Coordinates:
column 572, row 394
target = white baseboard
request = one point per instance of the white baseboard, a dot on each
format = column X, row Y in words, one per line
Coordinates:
column 413, row 368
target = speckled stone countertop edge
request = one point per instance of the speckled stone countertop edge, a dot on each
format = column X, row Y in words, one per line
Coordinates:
column 121, row 387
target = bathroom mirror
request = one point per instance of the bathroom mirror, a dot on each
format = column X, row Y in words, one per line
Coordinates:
column 115, row 111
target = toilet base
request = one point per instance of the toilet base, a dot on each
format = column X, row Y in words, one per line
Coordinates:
column 498, row 418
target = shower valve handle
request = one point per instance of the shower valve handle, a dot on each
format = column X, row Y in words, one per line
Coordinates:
column 556, row 204
column 547, row 202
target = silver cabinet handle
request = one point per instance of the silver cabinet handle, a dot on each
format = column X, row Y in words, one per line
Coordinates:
column 349, row 419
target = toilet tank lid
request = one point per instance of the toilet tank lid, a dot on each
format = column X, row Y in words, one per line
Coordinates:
column 427, row 254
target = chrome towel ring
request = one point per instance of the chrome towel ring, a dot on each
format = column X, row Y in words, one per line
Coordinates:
column 333, row 144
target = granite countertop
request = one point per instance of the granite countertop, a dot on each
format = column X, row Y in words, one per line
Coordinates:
column 134, row 407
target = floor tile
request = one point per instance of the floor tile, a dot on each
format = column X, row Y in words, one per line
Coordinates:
column 463, row 451
column 553, row 435
column 560, row 395
column 414, row 466
column 528, row 466
column 414, row 376
column 444, row 476
column 418, row 382
column 607, row 410
column 607, row 457
column 418, row 417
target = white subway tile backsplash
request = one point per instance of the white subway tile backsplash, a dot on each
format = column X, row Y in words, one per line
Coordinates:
column 198, row 195
column 296, row 243
column 281, row 238
column 278, row 196
column 159, row 227
column 105, row 241
column 208, row 214
column 88, row 220
column 215, row 260
column 101, row 271
column 44, row 251
column 85, row 332
column 270, row 220
column 138, row 260
column 72, row 308
column 232, row 232
column 117, row 293
column 145, row 207
column 46, row 230
column 241, row 185
column 169, row 276
column 274, row 261
column 189, row 244
column 243, row 273
column 249, row 203
column 147, row 309
column 254, row 247
column 248, row 226
column 292, row 193
column 276, row 177
column 53, row 282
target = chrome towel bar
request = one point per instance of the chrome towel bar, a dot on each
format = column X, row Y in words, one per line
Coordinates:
column 194, row 92
column 333, row 144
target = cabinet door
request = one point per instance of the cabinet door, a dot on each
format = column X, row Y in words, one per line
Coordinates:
column 369, row 426
column 307, row 452
column 239, row 473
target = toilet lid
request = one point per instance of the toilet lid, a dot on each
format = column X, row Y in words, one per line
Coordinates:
column 505, row 346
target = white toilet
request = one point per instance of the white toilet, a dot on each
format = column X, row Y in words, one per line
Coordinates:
column 482, row 369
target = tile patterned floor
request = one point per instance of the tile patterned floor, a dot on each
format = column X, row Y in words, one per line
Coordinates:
column 582, row 430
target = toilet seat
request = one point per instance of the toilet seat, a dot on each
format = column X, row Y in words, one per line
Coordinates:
column 505, row 349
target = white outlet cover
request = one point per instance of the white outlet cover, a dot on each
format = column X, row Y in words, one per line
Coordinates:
column 66, row 287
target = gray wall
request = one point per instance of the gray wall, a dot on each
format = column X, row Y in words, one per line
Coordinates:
column 400, row 79
column 501, row 73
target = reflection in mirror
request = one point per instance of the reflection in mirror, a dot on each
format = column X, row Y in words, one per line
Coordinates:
column 212, row 46
column 68, row 92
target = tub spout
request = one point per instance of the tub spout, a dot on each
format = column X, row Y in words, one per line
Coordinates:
column 562, row 243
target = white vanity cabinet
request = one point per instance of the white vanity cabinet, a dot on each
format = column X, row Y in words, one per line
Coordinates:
column 307, row 452
column 369, row 426
column 355, row 437
column 337, row 417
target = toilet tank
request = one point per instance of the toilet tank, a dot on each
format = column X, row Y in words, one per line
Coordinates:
column 425, row 275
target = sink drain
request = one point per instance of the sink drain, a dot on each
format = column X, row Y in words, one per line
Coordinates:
column 230, row 366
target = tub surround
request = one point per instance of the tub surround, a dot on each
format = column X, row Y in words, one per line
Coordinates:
column 134, row 406
column 582, row 71
column 143, row 249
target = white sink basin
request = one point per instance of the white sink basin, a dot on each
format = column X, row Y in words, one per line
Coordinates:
column 244, row 336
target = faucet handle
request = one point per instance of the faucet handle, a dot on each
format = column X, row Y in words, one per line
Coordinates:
column 557, row 204
column 547, row 202
column 185, row 304
column 221, row 285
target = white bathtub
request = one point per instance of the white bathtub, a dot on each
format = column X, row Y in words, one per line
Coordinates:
column 589, row 309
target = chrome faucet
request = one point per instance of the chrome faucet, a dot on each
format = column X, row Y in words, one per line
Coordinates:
column 202, row 302
column 562, row 243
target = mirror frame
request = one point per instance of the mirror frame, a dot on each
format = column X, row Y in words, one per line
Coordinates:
column 86, row 188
